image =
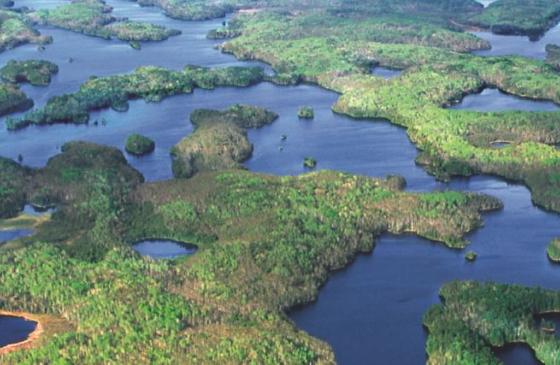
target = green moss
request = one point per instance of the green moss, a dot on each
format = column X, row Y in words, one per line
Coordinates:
column 219, row 141
column 36, row 72
column 139, row 145
column 553, row 250
column 306, row 112
column 453, row 142
column 475, row 318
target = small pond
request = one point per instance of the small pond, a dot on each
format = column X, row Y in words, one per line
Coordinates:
column 15, row 329
column 164, row 249
column 386, row 73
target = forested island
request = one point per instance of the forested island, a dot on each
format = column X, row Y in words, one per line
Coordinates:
column 263, row 244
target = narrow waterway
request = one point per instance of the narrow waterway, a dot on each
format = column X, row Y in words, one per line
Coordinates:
column 373, row 309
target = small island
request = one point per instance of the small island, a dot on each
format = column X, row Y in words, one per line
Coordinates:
column 93, row 18
column 471, row 256
column 35, row 72
column 309, row 162
column 149, row 83
column 139, row 145
column 553, row 250
column 306, row 112
column 219, row 141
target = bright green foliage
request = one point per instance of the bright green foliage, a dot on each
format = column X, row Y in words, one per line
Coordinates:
column 93, row 17
column 266, row 244
column 149, row 83
column 476, row 317
column 452, row 142
column 36, row 72
column 15, row 30
column 139, row 145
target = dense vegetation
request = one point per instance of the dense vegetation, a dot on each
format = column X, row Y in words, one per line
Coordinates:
column 453, row 142
column 93, row 17
column 475, row 317
column 36, row 72
column 529, row 17
column 139, row 145
column 266, row 244
column 219, row 140
column 12, row 99
column 149, row 83
column 15, row 30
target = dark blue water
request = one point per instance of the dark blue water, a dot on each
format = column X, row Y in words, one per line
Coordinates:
column 505, row 45
column 14, row 329
column 517, row 354
column 494, row 100
column 164, row 249
column 368, row 311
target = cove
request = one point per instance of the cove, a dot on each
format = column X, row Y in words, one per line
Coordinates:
column 164, row 249
column 15, row 329
column 503, row 45
column 494, row 100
